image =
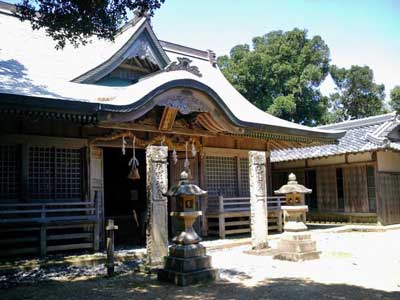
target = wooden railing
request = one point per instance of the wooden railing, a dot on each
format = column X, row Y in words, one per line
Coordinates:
column 232, row 215
column 48, row 212
column 222, row 204
column 48, row 226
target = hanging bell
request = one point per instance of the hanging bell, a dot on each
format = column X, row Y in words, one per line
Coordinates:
column 134, row 173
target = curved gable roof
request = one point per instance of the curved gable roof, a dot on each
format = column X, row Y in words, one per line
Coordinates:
column 143, row 39
column 30, row 66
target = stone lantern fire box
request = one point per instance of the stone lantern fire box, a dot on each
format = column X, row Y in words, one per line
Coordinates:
column 187, row 262
column 296, row 243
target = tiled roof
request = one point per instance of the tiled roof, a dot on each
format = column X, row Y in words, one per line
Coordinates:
column 31, row 67
column 362, row 135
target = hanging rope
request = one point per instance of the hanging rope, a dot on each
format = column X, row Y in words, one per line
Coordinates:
column 134, row 162
column 123, row 145
column 174, row 156
column 194, row 151
column 186, row 165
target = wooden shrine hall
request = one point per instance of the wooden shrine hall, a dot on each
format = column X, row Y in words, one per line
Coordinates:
column 100, row 131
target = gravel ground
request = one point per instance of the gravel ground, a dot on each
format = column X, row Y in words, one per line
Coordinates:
column 352, row 266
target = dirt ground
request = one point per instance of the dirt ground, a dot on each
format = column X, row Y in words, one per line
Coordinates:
column 352, row 266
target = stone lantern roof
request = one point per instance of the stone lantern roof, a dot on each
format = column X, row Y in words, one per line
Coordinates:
column 292, row 187
column 185, row 188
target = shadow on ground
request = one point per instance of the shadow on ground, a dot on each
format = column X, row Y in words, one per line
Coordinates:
column 139, row 286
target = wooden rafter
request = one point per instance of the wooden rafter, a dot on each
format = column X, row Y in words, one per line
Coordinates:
column 134, row 68
column 167, row 119
column 137, row 61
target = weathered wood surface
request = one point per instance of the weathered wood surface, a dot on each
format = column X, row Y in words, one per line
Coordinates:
column 224, row 215
column 96, row 182
column 388, row 206
column 110, row 246
column 355, row 189
column 326, row 189
column 39, row 225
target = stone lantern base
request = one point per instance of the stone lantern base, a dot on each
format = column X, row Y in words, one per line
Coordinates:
column 297, row 247
column 296, row 243
column 187, row 265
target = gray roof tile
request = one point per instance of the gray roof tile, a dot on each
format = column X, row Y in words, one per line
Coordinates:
column 362, row 135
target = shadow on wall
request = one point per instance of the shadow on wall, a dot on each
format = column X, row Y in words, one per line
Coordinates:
column 14, row 80
column 140, row 286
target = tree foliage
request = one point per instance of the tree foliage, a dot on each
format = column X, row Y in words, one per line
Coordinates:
column 395, row 98
column 76, row 21
column 357, row 95
column 281, row 73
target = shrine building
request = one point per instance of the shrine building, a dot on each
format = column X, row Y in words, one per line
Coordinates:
column 84, row 130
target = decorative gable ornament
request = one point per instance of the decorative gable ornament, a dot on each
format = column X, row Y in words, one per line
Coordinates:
column 143, row 49
column 183, row 64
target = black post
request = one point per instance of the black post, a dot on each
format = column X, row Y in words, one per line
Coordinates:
column 110, row 246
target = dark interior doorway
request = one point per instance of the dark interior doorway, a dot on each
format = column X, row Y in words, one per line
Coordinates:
column 124, row 198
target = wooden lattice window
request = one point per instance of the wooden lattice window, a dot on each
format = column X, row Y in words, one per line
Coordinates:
column 68, row 171
column 10, row 172
column 244, row 177
column 221, row 176
column 54, row 173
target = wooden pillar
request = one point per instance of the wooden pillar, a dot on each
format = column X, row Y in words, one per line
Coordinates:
column 203, row 199
column 269, row 174
column 110, row 246
column 258, row 200
column 157, row 206
column 97, row 194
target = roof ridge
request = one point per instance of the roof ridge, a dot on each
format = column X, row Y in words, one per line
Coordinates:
column 7, row 8
column 185, row 49
column 373, row 120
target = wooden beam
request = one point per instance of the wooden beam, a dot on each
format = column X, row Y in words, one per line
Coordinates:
column 168, row 119
column 149, row 128
column 137, row 61
column 135, row 68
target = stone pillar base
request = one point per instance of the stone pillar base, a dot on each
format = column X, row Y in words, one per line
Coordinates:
column 187, row 265
column 297, row 247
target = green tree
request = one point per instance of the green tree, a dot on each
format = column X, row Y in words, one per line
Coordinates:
column 77, row 20
column 357, row 95
column 281, row 74
column 395, row 98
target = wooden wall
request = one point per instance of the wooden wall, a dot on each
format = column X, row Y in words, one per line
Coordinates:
column 388, row 205
column 326, row 189
column 354, row 186
column 355, row 189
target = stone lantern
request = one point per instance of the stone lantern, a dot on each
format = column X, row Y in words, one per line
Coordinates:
column 296, row 243
column 294, row 211
column 187, row 262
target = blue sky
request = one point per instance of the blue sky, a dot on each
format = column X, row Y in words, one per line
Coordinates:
column 362, row 32
column 357, row 32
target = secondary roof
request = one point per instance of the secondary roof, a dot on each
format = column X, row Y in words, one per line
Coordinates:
column 362, row 135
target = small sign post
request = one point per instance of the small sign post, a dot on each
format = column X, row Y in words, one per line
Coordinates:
column 110, row 246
